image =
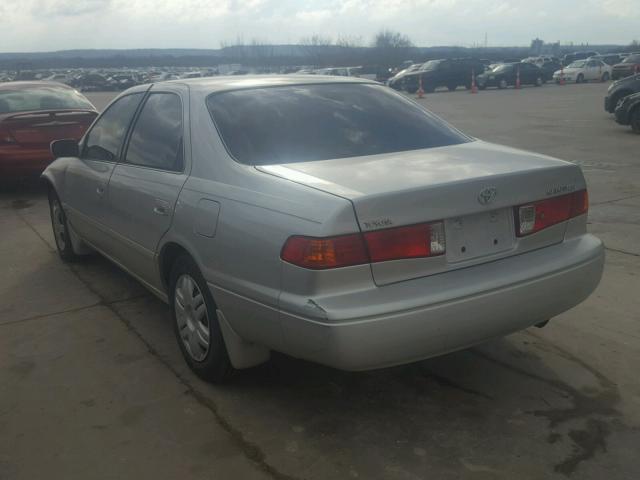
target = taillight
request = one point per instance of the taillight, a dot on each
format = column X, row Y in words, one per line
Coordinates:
column 423, row 240
column 414, row 241
column 321, row 253
column 536, row 216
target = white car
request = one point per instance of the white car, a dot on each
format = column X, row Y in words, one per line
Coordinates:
column 583, row 71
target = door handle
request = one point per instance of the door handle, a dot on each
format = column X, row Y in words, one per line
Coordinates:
column 100, row 190
column 161, row 207
column 160, row 210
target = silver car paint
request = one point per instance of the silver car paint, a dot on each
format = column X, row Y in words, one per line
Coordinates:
column 233, row 219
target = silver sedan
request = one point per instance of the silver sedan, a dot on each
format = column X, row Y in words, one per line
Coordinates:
column 330, row 219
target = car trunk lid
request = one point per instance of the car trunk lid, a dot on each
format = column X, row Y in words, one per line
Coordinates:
column 39, row 129
column 472, row 188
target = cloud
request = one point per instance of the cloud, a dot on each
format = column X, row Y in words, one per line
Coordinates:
column 62, row 24
column 53, row 8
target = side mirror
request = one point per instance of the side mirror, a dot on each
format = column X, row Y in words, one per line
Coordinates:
column 65, row 148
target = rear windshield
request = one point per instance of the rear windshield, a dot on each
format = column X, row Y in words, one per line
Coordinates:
column 304, row 123
column 41, row 98
column 632, row 59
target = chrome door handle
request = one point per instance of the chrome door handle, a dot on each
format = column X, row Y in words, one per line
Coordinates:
column 160, row 210
column 100, row 190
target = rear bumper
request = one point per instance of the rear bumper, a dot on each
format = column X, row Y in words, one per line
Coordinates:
column 417, row 319
column 16, row 161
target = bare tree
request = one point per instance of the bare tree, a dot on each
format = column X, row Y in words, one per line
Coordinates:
column 391, row 48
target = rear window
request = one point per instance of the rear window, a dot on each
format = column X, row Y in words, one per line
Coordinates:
column 42, row 98
column 304, row 123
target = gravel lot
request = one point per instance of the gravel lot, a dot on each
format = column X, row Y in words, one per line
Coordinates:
column 93, row 385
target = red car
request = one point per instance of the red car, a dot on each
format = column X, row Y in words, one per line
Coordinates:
column 32, row 115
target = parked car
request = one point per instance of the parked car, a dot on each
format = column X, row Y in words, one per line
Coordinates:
column 506, row 74
column 331, row 219
column 629, row 66
column 92, row 82
column 32, row 115
column 620, row 89
column 582, row 71
column 569, row 58
column 609, row 58
column 396, row 81
column 450, row 73
column 549, row 66
column 628, row 112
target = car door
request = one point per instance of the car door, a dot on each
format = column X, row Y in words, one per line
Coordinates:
column 85, row 192
column 144, row 187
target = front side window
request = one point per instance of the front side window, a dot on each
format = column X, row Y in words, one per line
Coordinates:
column 105, row 138
column 302, row 123
column 156, row 140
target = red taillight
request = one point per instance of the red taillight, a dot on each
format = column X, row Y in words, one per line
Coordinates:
column 539, row 215
column 414, row 241
column 321, row 253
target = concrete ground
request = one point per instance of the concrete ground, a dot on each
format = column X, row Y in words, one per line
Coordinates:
column 92, row 384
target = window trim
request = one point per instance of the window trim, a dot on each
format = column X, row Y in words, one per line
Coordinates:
column 83, row 142
column 468, row 138
column 123, row 158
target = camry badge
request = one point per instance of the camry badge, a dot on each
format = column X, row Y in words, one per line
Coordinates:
column 487, row 195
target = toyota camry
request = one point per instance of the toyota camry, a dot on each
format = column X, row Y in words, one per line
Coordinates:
column 331, row 219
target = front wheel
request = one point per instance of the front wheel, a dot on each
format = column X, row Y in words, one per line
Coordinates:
column 196, row 324
column 60, row 228
column 580, row 78
column 605, row 77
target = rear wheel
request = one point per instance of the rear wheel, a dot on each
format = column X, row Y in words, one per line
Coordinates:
column 195, row 322
column 411, row 89
column 580, row 78
column 60, row 228
column 502, row 84
column 635, row 119
column 605, row 77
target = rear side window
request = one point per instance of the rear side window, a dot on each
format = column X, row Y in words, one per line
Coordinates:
column 304, row 123
column 42, row 98
column 156, row 141
column 105, row 138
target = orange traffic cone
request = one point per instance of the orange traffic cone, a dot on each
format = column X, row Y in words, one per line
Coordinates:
column 420, row 89
column 518, row 78
column 474, row 87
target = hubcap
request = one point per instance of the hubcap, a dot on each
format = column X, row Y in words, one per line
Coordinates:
column 59, row 229
column 192, row 317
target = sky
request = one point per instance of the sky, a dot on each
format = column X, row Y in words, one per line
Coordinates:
column 47, row 25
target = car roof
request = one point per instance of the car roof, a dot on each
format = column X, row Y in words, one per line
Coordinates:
column 220, row 83
column 27, row 84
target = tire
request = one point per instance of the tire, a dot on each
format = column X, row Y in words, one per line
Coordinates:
column 634, row 120
column 411, row 89
column 580, row 78
column 605, row 77
column 60, row 228
column 539, row 82
column 482, row 87
column 452, row 88
column 502, row 84
column 195, row 322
